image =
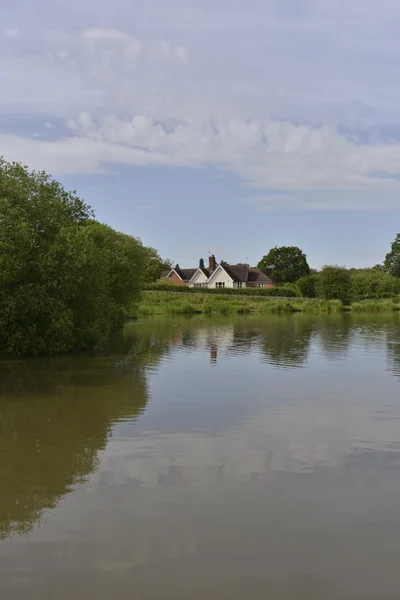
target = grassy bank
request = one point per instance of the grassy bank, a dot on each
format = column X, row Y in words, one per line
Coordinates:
column 164, row 303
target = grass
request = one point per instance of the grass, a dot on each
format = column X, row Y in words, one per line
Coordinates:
column 374, row 306
column 164, row 303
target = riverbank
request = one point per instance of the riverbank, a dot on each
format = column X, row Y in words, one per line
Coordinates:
column 169, row 303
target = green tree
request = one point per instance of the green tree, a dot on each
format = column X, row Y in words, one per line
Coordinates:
column 307, row 286
column 334, row 283
column 66, row 281
column 373, row 283
column 285, row 264
column 154, row 265
column 201, row 263
column 392, row 260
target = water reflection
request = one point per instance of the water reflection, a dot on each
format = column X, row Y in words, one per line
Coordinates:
column 57, row 414
column 246, row 455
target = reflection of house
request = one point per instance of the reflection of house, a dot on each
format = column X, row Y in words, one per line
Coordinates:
column 220, row 276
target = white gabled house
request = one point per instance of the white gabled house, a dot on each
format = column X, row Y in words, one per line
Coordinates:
column 229, row 276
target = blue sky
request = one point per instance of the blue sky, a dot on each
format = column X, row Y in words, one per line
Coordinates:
column 223, row 126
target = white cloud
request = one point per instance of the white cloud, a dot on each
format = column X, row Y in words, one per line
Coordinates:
column 11, row 34
column 292, row 101
column 307, row 167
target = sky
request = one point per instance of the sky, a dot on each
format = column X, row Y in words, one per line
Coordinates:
column 223, row 126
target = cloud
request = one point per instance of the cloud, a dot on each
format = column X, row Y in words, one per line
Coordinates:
column 11, row 34
column 293, row 100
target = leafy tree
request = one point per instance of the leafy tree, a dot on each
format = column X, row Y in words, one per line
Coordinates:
column 285, row 264
column 201, row 263
column 154, row 265
column 373, row 284
column 334, row 283
column 307, row 286
column 392, row 260
column 66, row 281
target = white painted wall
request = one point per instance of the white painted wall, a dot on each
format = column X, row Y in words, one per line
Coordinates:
column 198, row 277
column 219, row 275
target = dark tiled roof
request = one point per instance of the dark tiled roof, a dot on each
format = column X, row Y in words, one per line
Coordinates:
column 237, row 272
column 186, row 274
column 206, row 272
column 259, row 276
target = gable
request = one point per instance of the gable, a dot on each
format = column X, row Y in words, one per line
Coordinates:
column 199, row 277
column 219, row 274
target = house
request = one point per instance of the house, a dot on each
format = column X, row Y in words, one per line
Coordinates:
column 219, row 276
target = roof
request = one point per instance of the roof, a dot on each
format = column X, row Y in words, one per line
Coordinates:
column 259, row 276
column 185, row 274
column 237, row 272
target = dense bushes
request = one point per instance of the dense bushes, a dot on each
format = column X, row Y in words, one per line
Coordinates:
column 66, row 281
column 373, row 284
column 353, row 285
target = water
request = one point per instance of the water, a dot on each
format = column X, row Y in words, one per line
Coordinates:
column 215, row 459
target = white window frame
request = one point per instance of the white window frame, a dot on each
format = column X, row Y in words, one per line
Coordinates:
column 261, row 285
column 240, row 284
column 219, row 285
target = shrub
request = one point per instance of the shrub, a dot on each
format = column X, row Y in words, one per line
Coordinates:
column 66, row 281
column 334, row 283
column 307, row 286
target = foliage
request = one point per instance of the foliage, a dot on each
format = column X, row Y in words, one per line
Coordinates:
column 154, row 265
column 66, row 281
column 392, row 260
column 285, row 264
column 373, row 284
column 307, row 286
column 201, row 263
column 373, row 306
column 334, row 283
column 164, row 303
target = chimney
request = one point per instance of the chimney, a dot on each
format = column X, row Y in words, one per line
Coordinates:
column 211, row 263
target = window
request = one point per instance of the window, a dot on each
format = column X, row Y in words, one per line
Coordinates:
column 240, row 284
column 220, row 284
column 260, row 285
column 198, row 284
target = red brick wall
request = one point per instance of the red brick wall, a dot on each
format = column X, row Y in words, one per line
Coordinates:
column 175, row 279
column 255, row 285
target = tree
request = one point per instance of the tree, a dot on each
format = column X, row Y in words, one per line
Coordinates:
column 66, row 281
column 334, row 283
column 307, row 286
column 201, row 263
column 154, row 265
column 373, row 283
column 392, row 260
column 285, row 264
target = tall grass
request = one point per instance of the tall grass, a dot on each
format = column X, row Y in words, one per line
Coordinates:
column 164, row 303
column 374, row 306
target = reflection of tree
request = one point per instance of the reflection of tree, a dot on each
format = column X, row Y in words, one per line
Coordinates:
column 285, row 340
column 334, row 334
column 55, row 416
column 393, row 344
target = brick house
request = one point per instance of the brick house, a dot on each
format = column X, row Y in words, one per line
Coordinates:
column 219, row 276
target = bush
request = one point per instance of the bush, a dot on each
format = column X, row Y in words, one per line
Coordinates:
column 307, row 286
column 66, row 281
column 334, row 283
column 373, row 284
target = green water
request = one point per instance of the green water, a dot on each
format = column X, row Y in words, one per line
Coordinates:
column 206, row 458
